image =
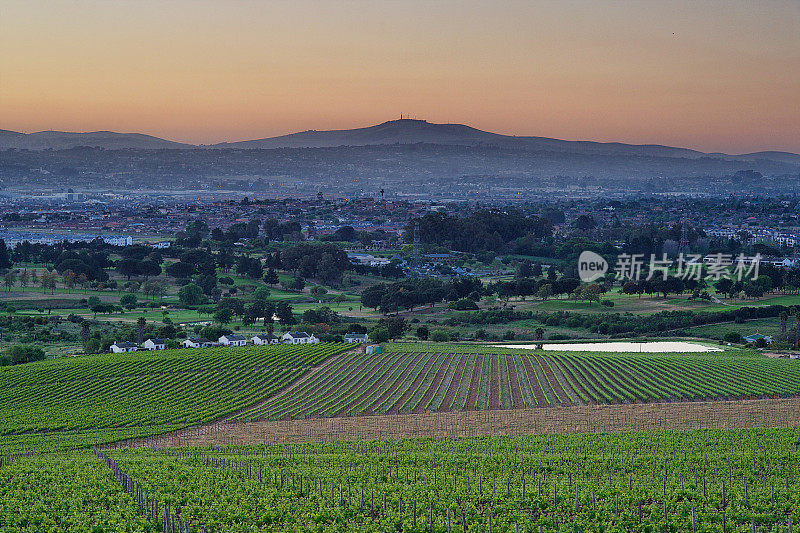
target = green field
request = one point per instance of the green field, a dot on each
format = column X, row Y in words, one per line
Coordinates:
column 709, row 481
column 92, row 399
column 415, row 378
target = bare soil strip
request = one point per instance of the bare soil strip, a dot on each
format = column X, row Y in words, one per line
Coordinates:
column 474, row 384
column 494, row 383
column 516, row 393
column 562, row 396
column 447, row 402
column 434, row 385
column 778, row 412
column 541, row 400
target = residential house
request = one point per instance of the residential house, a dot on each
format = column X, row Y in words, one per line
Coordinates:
column 361, row 338
column 261, row 340
column 756, row 336
column 123, row 347
column 233, row 340
column 154, row 344
column 299, row 337
column 197, row 342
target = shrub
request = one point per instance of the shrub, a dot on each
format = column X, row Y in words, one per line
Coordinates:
column 440, row 336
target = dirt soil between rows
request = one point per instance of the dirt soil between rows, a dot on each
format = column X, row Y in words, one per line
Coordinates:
column 766, row 413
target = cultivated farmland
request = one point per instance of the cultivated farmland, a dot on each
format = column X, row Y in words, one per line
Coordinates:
column 424, row 378
column 94, row 399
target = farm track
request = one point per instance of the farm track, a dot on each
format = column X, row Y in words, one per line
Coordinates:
column 516, row 393
column 494, row 383
column 474, row 385
column 434, row 385
column 722, row 414
column 557, row 389
column 450, row 395
column 541, row 399
column 394, row 409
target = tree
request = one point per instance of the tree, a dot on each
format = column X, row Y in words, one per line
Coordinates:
column 223, row 315
column 23, row 354
column 69, row 279
column 128, row 268
column 140, row 324
column 271, row 277
column 85, row 336
column 539, row 334
column 545, row 291
column 591, row 292
column 5, row 258
column 284, row 313
column 379, row 335
column 318, row 291
column 262, row 294
column 129, row 301
column 372, row 295
column 48, row 281
column 423, row 332
column 190, row 294
column 396, row 326
column 9, row 278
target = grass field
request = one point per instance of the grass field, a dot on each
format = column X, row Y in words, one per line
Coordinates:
column 428, row 377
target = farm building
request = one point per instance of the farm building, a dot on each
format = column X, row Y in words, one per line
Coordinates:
column 233, row 340
column 154, row 344
column 122, row 347
column 361, row 338
column 261, row 340
column 299, row 337
column 756, row 336
column 197, row 342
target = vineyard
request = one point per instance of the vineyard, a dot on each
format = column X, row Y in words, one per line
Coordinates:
column 417, row 379
column 720, row 480
column 94, row 399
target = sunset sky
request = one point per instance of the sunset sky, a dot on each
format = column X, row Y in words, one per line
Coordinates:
column 712, row 75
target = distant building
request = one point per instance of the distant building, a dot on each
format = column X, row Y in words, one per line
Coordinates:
column 233, row 340
column 361, row 338
column 756, row 336
column 154, row 344
column 299, row 337
column 123, row 347
column 261, row 340
column 197, row 342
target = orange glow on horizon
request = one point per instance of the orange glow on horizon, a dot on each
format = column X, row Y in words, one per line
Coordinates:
column 713, row 75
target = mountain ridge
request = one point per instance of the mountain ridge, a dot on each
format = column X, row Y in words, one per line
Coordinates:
column 392, row 132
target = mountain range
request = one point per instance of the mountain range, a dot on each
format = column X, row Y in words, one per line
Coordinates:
column 394, row 132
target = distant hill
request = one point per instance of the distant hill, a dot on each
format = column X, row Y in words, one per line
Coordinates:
column 62, row 140
column 393, row 132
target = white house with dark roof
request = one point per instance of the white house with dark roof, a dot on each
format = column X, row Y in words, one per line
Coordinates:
column 361, row 338
column 233, row 340
column 154, row 344
column 298, row 337
column 123, row 347
column 261, row 340
column 197, row 342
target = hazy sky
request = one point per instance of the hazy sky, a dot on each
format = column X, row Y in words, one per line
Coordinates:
column 714, row 75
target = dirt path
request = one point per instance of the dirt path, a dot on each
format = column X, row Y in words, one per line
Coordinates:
column 541, row 399
column 494, row 383
column 671, row 416
column 474, row 384
column 516, row 393
column 557, row 390
column 437, row 380
column 450, row 395
column 394, row 409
